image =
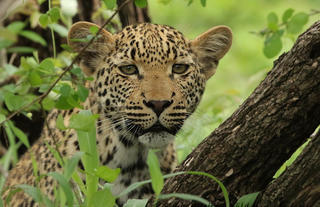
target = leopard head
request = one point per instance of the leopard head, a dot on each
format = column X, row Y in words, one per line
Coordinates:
column 149, row 78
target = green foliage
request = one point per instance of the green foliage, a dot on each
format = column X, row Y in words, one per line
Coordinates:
column 110, row 4
column 63, row 183
column 34, row 193
column 291, row 159
column 107, row 174
column 186, row 197
column 33, row 36
column 136, row 203
column 141, row 3
column 155, row 172
column 50, row 17
column 103, row 198
column 71, row 164
column 247, row 200
column 291, row 24
column 87, row 141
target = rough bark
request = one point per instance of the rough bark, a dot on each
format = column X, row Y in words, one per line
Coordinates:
column 299, row 185
column 131, row 14
column 245, row 151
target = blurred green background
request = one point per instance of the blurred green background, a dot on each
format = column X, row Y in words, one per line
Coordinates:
column 242, row 69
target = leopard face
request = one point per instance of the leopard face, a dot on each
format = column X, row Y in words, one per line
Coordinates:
column 149, row 78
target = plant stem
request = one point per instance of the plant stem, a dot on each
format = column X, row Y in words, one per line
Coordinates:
column 52, row 36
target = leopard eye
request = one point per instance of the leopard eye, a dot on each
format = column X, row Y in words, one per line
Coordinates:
column 129, row 69
column 179, row 68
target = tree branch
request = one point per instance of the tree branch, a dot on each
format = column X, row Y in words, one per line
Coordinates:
column 131, row 14
column 299, row 185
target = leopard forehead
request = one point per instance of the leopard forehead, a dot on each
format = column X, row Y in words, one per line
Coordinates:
column 152, row 43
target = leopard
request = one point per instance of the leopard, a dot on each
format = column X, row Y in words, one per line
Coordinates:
column 147, row 80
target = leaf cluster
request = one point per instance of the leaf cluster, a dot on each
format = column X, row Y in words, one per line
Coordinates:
column 289, row 25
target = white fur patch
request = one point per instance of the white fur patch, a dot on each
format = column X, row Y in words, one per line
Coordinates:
column 156, row 140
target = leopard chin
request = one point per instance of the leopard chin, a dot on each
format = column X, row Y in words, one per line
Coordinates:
column 156, row 140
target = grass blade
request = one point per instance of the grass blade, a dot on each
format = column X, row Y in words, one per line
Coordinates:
column 186, row 197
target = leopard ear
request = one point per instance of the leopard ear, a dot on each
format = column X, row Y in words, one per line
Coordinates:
column 210, row 47
column 78, row 38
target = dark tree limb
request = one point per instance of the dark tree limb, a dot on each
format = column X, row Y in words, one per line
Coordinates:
column 299, row 185
column 246, row 150
column 131, row 14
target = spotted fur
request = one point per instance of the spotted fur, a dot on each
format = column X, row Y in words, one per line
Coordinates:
column 137, row 111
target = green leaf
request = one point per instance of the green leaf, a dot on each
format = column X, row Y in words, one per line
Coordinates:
column 103, row 198
column 55, row 153
column 34, row 78
column 54, row 14
column 272, row 21
column 33, row 36
column 65, row 90
column 61, row 30
column 107, row 173
column 35, row 168
column 36, row 194
column 83, row 92
column 93, row 30
column 77, row 71
column 21, row 49
column 73, row 100
column 87, row 143
column 64, row 185
column 5, row 43
column 203, row 2
column 141, row 3
column 2, row 118
column 71, row 165
column 63, row 104
column 297, row 22
column 223, row 188
column 82, row 122
column 47, row 65
column 60, row 123
column 20, row 134
column 44, row 20
column 110, row 4
column 13, row 102
column 155, row 172
column 66, row 47
column 272, row 45
column 186, row 197
column 247, row 200
column 133, row 186
column 48, row 103
column 16, row 27
column 136, row 203
column 287, row 14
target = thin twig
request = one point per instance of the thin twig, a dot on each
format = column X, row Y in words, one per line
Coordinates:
column 40, row 98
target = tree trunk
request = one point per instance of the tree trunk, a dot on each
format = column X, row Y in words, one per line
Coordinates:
column 247, row 149
column 131, row 14
column 299, row 185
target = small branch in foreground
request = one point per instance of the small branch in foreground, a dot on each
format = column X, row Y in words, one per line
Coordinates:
column 40, row 98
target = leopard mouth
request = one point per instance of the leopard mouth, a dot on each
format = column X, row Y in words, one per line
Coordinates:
column 156, row 128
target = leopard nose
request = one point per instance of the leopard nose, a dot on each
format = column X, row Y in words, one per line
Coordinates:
column 158, row 106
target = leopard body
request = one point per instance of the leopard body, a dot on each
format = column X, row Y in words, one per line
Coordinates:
column 148, row 79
